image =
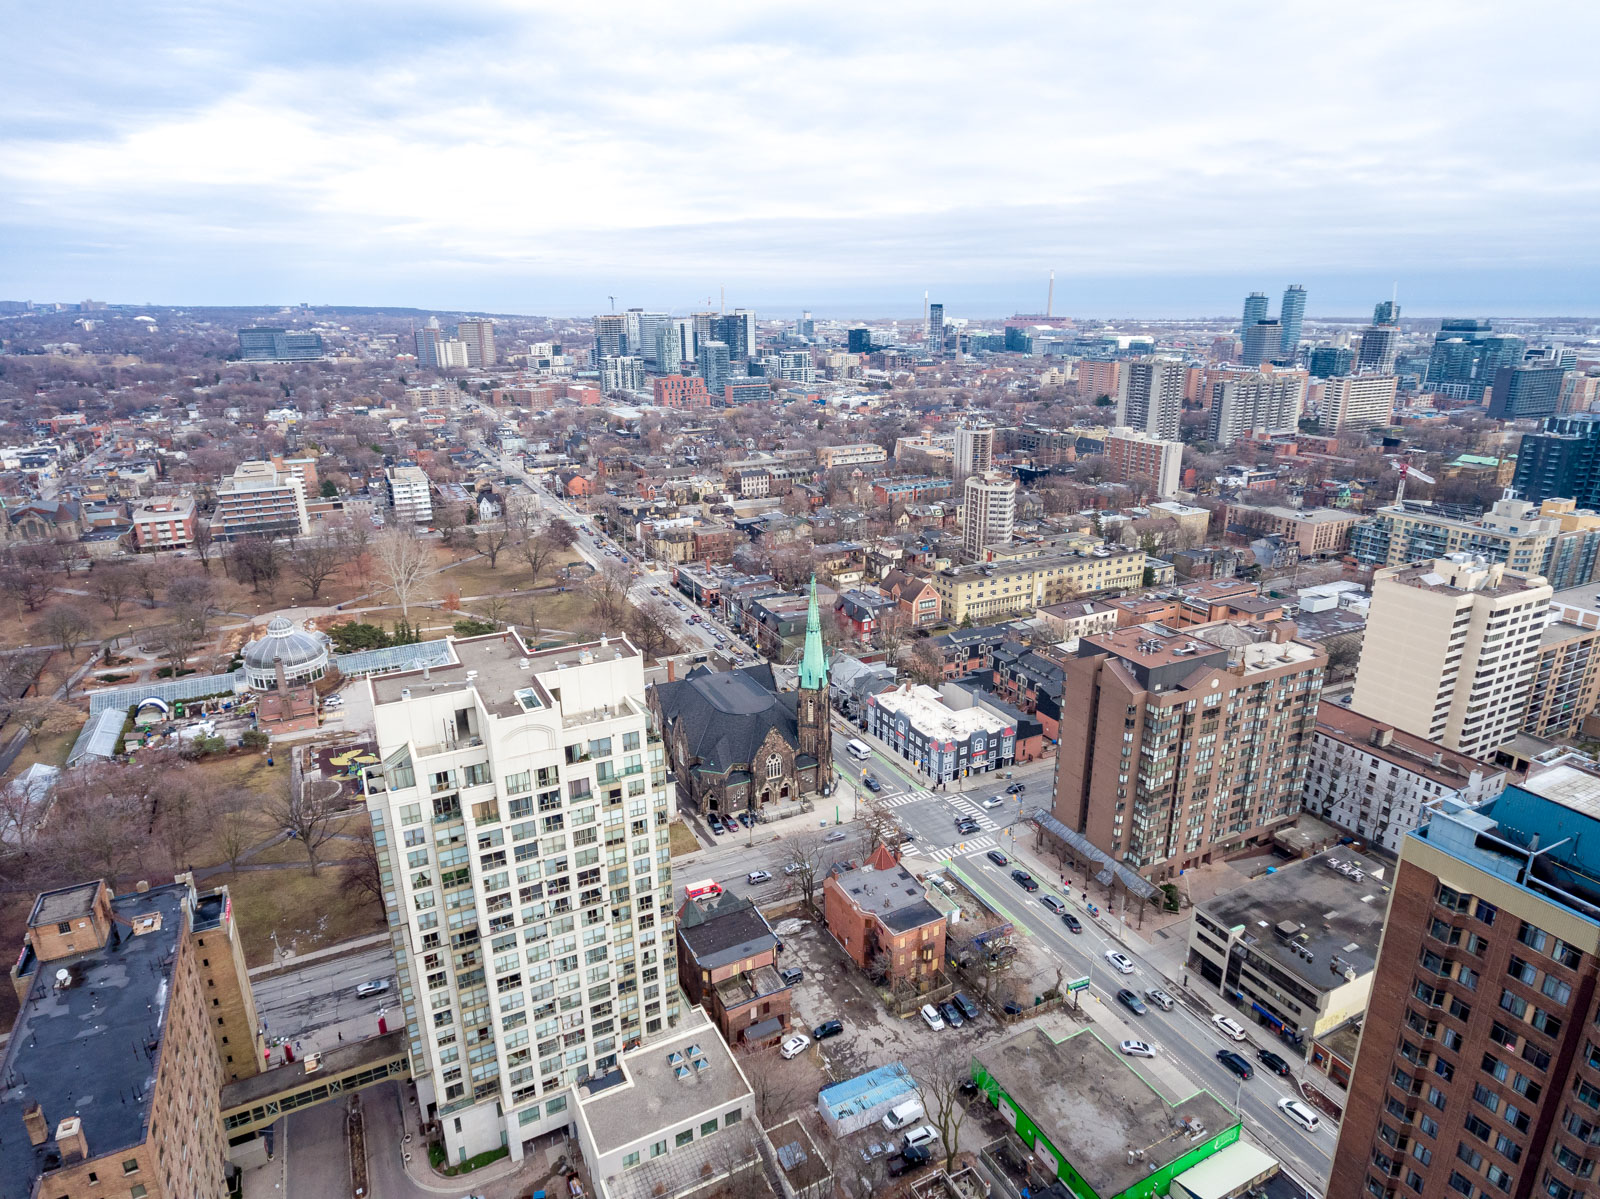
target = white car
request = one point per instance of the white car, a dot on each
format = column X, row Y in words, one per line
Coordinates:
column 930, row 1015
column 1231, row 1029
column 1300, row 1114
column 758, row 876
column 1136, row 1049
column 376, row 987
column 994, row 801
column 794, row 1046
column 1119, row 962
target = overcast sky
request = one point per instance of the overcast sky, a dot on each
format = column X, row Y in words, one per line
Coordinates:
column 1162, row 158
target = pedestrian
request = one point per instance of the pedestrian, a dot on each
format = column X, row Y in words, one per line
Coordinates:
column 341, row 1036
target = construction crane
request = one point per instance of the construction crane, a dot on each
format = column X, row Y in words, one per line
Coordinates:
column 1407, row 471
column 613, row 300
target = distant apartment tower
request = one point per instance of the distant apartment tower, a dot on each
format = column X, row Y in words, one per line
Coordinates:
column 1291, row 317
column 1386, row 312
column 610, row 335
column 1255, row 311
column 736, row 330
column 974, row 451
column 1477, row 1072
column 410, row 495
column 1131, row 453
column 1523, row 391
column 1248, row 402
column 1262, row 343
column 1353, row 403
column 478, row 336
column 859, row 341
column 1379, row 346
column 1449, row 651
column 988, row 512
column 622, row 374
column 261, row 344
column 714, row 365
column 522, row 802
column 1562, row 460
column 1178, row 747
column 427, row 341
column 933, row 330
column 1326, row 362
column 1150, row 396
column 1098, row 378
column 261, row 499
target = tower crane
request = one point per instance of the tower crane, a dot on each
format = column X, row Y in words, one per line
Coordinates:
column 1407, row 471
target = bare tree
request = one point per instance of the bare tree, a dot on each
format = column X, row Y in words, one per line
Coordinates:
column 941, row 1076
column 26, row 584
column 493, row 538
column 196, row 595
column 651, row 630
column 149, row 575
column 179, row 637
column 186, row 810
column 66, row 625
column 234, row 834
column 363, row 873
column 304, row 813
column 205, row 544
column 404, row 561
column 804, row 864
column 925, row 664
column 776, row 1091
column 608, row 587
column 875, row 825
column 41, row 716
column 355, row 540
column 113, row 586
column 255, row 560
column 450, row 521
column 313, row 561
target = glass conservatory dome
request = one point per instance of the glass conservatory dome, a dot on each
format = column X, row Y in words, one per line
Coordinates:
column 304, row 655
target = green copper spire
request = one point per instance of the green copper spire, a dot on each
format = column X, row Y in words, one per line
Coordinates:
column 813, row 665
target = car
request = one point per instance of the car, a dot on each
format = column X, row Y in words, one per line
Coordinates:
column 952, row 1015
column 375, row 987
column 1273, row 1062
column 871, row 783
column 909, row 1159
column 968, row 1008
column 828, row 1028
column 931, row 1017
column 333, row 701
column 758, row 876
column 794, row 868
column 1054, row 904
column 1237, row 1064
column 836, row 836
column 794, row 1046
column 747, row 820
column 1136, row 1049
column 1231, row 1029
column 1074, row 925
column 998, row 858
column 717, row 826
column 1131, row 1001
column 994, row 801
column 1016, row 788
column 791, row 975
column 1024, row 880
column 967, row 827
column 655, row 591
column 1300, row 1114
column 922, row 1134
column 1121, row 963
column 1160, row 998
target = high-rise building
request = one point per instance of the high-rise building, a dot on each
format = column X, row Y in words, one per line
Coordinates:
column 1552, row 538
column 1449, row 650
column 428, row 340
column 521, row 808
column 1467, row 354
column 1355, row 402
column 1098, row 378
column 714, row 366
column 1247, row 402
column 1132, row 453
column 1150, row 396
column 1561, row 461
column 988, row 512
column 933, row 330
column 479, row 338
column 410, row 495
column 1261, row 343
column 260, row 344
column 1177, row 746
column 1291, row 316
column 1255, row 311
column 1524, row 391
column 1476, row 1073
column 261, row 499
column 625, row 373
column 859, row 341
column 805, row 326
column 610, row 335
column 1379, row 345
column 974, row 451
column 1324, row 362
column 668, row 357
column 738, row 330
column 1386, row 312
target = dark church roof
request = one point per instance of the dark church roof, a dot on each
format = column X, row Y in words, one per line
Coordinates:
column 726, row 715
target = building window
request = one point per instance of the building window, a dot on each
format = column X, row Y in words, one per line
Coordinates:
column 130, row 1166
column 684, row 1138
column 774, row 767
column 630, row 1160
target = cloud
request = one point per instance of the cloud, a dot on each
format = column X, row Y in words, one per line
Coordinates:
column 835, row 148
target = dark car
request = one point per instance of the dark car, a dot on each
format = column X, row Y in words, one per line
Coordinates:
column 1131, row 1001
column 1016, row 788
column 952, row 1015
column 1074, row 925
column 871, row 783
column 1024, row 880
column 998, row 858
column 716, row 825
column 909, row 1159
column 966, row 826
column 828, row 1028
column 1273, row 1062
column 1235, row 1063
column 968, row 1008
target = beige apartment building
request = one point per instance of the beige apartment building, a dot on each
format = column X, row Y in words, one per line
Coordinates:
column 988, row 511
column 1178, row 747
column 1450, row 650
column 862, row 454
column 984, row 591
column 1352, row 403
column 261, row 499
column 974, row 451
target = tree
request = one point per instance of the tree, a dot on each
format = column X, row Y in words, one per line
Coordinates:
column 205, row 543
column 65, row 625
column 874, row 823
column 177, row 640
column 493, row 538
column 940, row 1076
column 186, row 810
column 608, row 587
column 149, row 575
column 255, row 560
column 234, row 836
column 803, row 865
column 313, row 560
column 304, row 812
column 926, row 664
column 40, row 716
column 354, row 538
column 194, row 595
column 651, row 630
column 891, row 633
column 362, row 876
column 26, row 584
column 450, row 521
column 404, row 562
column 776, row 1092
column 113, row 586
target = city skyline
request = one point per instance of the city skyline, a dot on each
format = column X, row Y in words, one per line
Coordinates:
column 518, row 160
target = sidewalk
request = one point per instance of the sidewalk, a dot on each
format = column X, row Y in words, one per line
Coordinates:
column 293, row 961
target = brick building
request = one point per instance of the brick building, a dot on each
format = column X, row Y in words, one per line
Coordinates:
column 164, row 522
column 681, row 391
column 882, row 919
column 727, row 963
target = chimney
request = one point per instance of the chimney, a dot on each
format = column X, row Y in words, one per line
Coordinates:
column 70, row 1140
column 672, row 670
column 38, row 1127
column 279, row 678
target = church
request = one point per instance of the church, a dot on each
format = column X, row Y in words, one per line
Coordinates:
column 736, row 743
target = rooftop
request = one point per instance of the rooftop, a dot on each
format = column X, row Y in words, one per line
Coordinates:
column 1406, row 750
column 724, row 929
column 116, row 997
column 1330, row 906
column 1462, row 574
column 65, row 903
column 1094, row 1107
column 893, row 896
column 926, row 709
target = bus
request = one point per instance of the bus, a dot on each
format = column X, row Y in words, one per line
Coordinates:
column 706, row 887
column 857, row 750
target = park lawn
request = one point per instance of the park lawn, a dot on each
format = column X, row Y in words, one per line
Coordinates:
column 682, row 840
column 474, row 576
column 51, row 750
column 248, row 771
column 307, row 911
column 353, row 825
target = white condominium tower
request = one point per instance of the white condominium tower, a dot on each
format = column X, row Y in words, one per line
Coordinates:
column 520, row 811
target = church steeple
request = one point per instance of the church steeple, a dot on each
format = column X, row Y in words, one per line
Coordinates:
column 813, row 663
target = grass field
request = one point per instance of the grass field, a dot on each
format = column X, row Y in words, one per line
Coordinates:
column 682, row 840
column 306, row 911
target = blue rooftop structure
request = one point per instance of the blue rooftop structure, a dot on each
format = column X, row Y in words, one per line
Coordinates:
column 857, row 1102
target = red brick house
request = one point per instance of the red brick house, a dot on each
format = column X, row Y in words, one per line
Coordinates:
column 727, row 963
column 881, row 917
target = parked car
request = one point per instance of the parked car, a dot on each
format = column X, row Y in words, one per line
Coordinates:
column 758, row 876
column 922, row 1134
column 1136, row 1049
column 746, row 819
column 1119, row 962
column 968, row 1008
column 794, row 1046
column 1273, row 1062
column 716, row 825
column 376, row 987
column 1131, row 1001
column 1160, row 998
column 828, row 1028
column 1024, row 880
column 1300, row 1114
column 1074, row 925
column 998, row 858
column 1229, row 1028
column 931, row 1017
column 1237, row 1064
column 952, row 1015
column 1054, row 904
column 909, row 1159
column 994, row 801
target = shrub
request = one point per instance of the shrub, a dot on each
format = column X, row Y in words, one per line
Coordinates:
column 470, row 626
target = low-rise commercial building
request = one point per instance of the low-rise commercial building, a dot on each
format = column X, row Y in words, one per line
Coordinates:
column 941, row 743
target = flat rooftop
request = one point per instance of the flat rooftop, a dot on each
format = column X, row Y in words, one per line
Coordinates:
column 893, row 896
column 1406, row 750
column 63, row 904
column 495, row 660
column 1331, row 905
column 927, row 710
column 1094, row 1107
column 92, row 1049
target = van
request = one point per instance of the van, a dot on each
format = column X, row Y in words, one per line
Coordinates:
column 1300, row 1114
column 857, row 749
column 706, row 887
column 922, row 1134
column 1228, row 1028
column 903, row 1115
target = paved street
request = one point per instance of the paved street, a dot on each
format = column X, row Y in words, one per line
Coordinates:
column 318, row 1153
column 316, row 1003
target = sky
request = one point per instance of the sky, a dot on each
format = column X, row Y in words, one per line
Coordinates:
column 1162, row 158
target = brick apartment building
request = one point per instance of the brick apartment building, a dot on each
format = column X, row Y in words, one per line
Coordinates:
column 1315, row 532
column 727, row 963
column 881, row 917
column 164, row 522
column 681, row 391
